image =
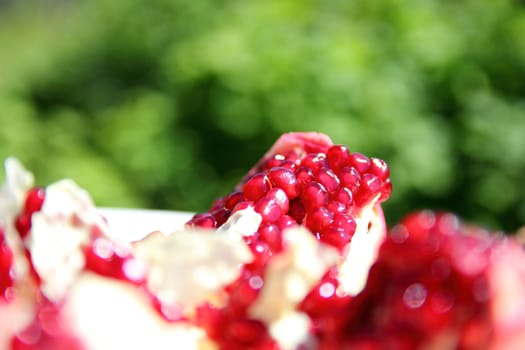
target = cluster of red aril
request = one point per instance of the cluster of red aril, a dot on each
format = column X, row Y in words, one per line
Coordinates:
column 103, row 256
column 304, row 179
column 427, row 289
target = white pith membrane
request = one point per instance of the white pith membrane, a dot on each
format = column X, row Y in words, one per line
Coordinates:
column 58, row 233
column 109, row 314
column 214, row 260
column 362, row 250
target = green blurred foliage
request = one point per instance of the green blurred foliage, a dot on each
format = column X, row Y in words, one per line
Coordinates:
column 165, row 104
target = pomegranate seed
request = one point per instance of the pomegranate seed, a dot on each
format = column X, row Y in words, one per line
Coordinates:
column 344, row 222
column 344, row 196
column 271, row 234
column 221, row 215
column 280, row 197
column 269, row 209
column 319, row 219
column 203, row 220
column 336, row 207
column 262, row 252
column 275, row 161
column 314, row 196
column 360, row 162
column 338, row 157
column 246, row 331
column 335, row 237
column 328, row 179
column 304, row 175
column 315, row 161
column 285, row 179
column 241, row 206
column 256, row 187
column 370, row 185
column 350, row 178
column 232, row 199
column 386, row 190
column 23, row 224
column 285, row 222
column 288, row 164
column 34, row 200
column 105, row 258
column 379, row 168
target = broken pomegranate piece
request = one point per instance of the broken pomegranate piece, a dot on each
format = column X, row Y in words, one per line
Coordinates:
column 436, row 284
column 335, row 195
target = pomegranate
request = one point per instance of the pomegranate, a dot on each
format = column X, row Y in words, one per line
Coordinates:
column 304, row 179
column 437, row 283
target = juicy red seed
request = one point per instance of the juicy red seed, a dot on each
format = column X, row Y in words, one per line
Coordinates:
column 335, row 237
column 338, row 156
column 271, row 235
column 285, row 222
column 360, row 162
column 274, row 161
column 319, row 219
column 221, row 215
column 297, row 210
column 336, row 207
column 232, row 199
column 350, row 178
column 315, row 161
column 314, row 195
column 245, row 289
column 106, row 263
column 379, row 168
column 241, row 206
column 203, row 220
column 246, row 331
column 304, row 175
column 34, row 200
column 261, row 251
column 386, row 190
column 256, row 187
column 23, row 224
column 280, row 197
column 285, row 179
column 328, row 179
column 370, row 183
column 344, row 196
column 288, row 164
column 344, row 222
column 269, row 209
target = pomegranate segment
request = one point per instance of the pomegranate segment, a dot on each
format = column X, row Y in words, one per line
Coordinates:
column 430, row 287
column 304, row 179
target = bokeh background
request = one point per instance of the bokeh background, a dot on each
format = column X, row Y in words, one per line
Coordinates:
column 166, row 103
